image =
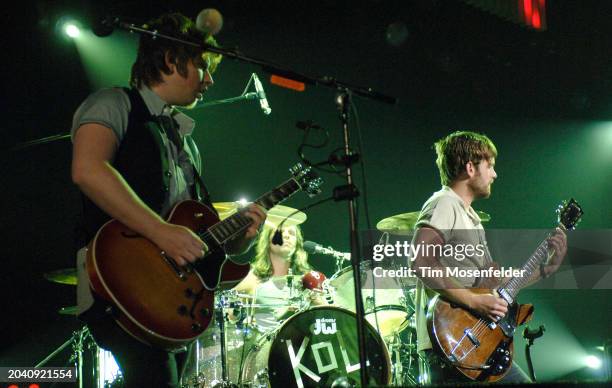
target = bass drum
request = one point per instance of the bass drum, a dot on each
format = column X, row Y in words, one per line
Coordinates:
column 317, row 347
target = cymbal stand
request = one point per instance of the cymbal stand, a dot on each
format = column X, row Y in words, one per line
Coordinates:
column 221, row 317
column 339, row 261
column 78, row 341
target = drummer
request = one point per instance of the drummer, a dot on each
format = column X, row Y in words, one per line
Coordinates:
column 275, row 278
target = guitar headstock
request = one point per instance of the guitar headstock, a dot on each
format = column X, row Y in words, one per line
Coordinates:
column 307, row 179
column 569, row 214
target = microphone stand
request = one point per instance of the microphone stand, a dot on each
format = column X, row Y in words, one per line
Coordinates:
column 531, row 336
column 66, row 135
column 247, row 96
column 347, row 192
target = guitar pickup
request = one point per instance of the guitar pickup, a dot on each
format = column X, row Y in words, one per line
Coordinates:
column 468, row 333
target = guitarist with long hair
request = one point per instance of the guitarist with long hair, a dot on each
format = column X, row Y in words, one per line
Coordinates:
column 466, row 162
column 133, row 160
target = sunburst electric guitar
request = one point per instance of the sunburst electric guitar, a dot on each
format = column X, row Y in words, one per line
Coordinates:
column 154, row 299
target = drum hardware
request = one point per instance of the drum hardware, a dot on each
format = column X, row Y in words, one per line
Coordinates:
column 224, row 302
column 104, row 370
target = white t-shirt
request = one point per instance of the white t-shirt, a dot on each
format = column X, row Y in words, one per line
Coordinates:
column 445, row 211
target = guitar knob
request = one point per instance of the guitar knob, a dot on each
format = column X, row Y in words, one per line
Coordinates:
column 189, row 293
column 196, row 327
column 182, row 310
column 205, row 312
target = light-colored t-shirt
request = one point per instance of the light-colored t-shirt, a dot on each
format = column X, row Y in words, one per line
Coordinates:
column 445, row 211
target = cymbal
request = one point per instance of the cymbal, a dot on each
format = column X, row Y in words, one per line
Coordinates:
column 68, row 310
column 275, row 215
column 225, row 209
column 279, row 213
column 400, row 224
column 484, row 217
column 403, row 224
column 62, row 276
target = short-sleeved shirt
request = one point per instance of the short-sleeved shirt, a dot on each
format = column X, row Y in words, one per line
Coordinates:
column 445, row 211
column 110, row 108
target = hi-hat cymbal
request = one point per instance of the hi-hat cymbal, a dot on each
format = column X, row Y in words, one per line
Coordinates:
column 68, row 310
column 275, row 215
column 289, row 215
column 62, row 276
column 403, row 224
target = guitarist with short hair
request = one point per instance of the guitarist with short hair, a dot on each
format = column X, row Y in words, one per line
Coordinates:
column 133, row 160
column 466, row 161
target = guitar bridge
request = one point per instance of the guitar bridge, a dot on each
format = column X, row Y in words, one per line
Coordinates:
column 472, row 337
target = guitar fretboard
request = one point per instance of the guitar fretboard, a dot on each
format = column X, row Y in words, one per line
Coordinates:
column 238, row 222
column 515, row 284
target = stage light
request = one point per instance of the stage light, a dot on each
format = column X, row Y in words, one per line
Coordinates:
column 592, row 362
column 68, row 27
column 72, row 30
column 243, row 202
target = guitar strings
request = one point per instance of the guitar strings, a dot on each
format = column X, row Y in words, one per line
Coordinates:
column 480, row 327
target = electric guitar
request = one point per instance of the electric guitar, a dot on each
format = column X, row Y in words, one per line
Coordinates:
column 155, row 300
column 478, row 348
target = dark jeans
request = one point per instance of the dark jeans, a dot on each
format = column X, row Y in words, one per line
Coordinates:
column 441, row 373
column 141, row 365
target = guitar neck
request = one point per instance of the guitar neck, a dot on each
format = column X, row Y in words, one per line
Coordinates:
column 512, row 287
column 238, row 222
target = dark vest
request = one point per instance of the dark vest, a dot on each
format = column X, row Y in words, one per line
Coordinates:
column 142, row 160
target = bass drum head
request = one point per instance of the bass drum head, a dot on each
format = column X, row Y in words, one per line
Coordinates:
column 317, row 347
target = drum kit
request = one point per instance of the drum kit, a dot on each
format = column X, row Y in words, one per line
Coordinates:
column 313, row 342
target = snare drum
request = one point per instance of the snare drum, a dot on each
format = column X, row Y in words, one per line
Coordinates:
column 317, row 347
column 387, row 302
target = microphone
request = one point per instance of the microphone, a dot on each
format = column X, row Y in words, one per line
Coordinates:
column 315, row 248
column 263, row 101
column 277, row 239
column 209, row 21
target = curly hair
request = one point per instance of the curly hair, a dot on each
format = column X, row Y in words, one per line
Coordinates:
column 457, row 149
column 151, row 58
column 262, row 267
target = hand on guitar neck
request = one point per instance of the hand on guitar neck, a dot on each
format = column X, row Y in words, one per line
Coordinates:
column 242, row 244
column 184, row 246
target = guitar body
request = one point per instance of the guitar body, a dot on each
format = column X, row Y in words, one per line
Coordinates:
column 478, row 349
column 156, row 301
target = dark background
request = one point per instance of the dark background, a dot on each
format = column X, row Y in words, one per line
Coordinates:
column 542, row 96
